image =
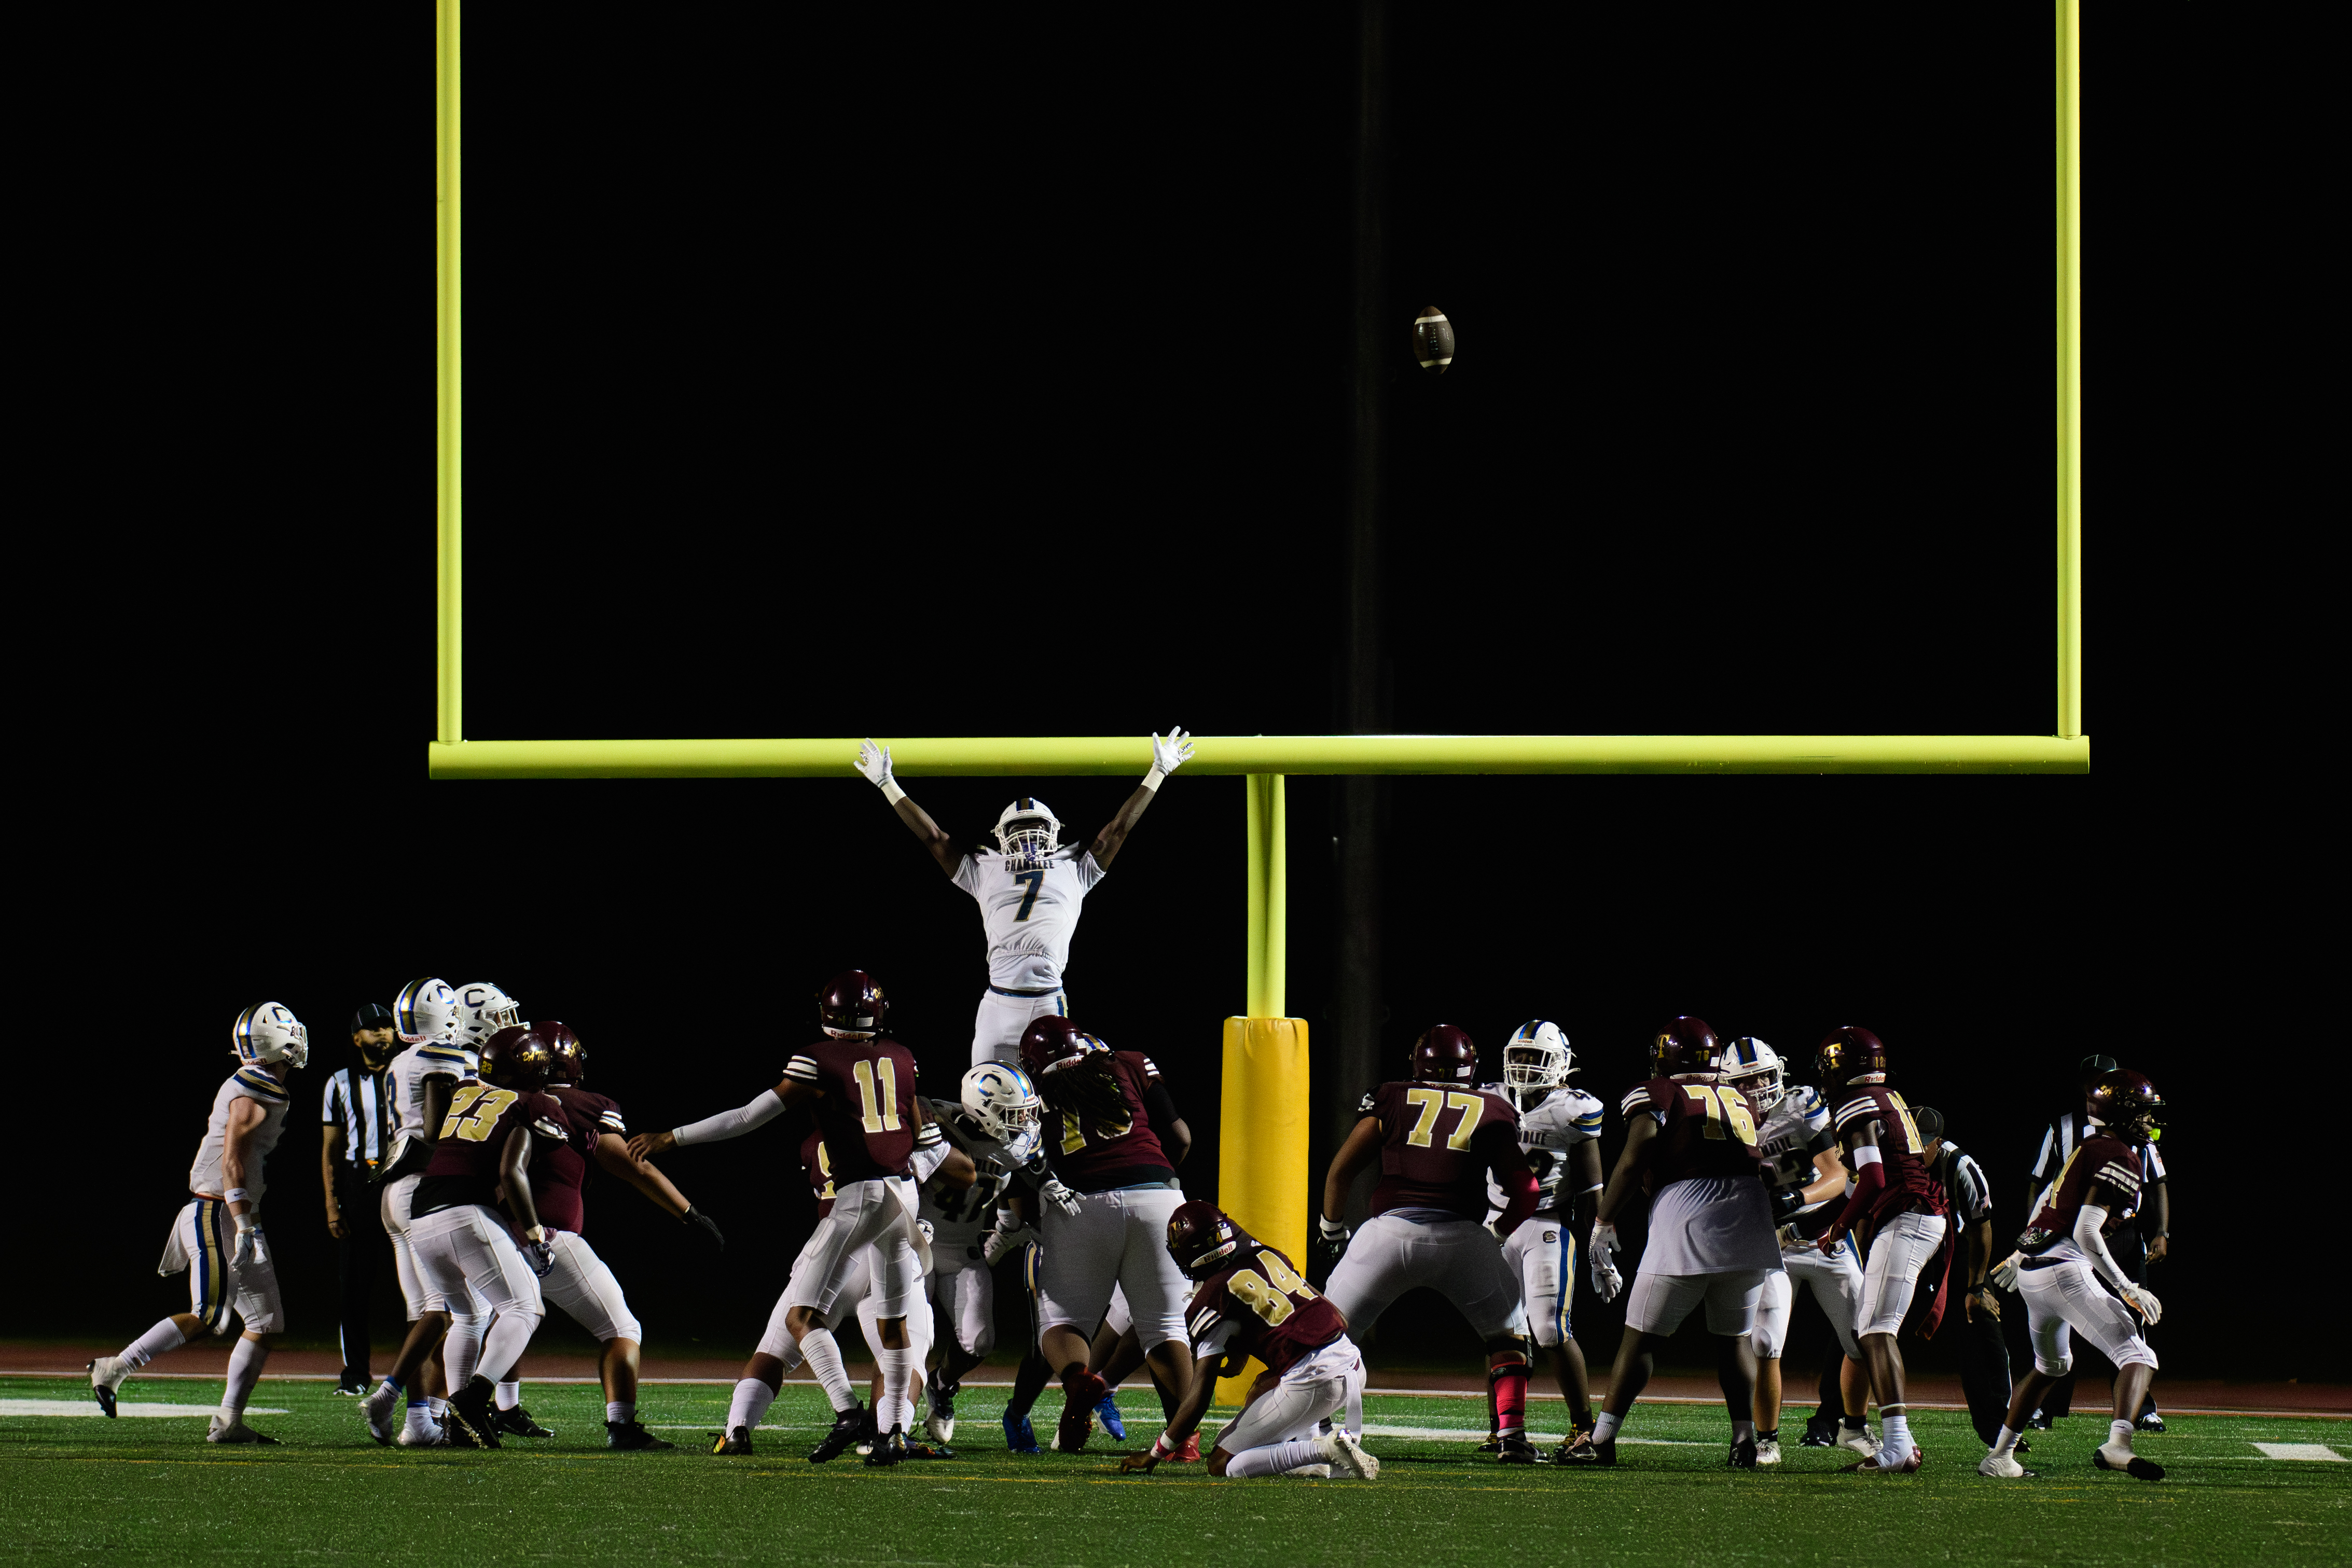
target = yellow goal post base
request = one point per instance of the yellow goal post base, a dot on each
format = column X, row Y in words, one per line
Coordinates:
column 1263, row 1117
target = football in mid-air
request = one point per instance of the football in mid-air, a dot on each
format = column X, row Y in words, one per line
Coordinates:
column 1433, row 339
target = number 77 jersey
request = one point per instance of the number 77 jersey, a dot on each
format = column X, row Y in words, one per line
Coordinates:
column 1437, row 1143
column 866, row 1113
column 1704, row 1129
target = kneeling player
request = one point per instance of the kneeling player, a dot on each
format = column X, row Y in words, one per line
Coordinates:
column 2059, row 1262
column 248, row 1113
column 1710, row 1229
column 1252, row 1303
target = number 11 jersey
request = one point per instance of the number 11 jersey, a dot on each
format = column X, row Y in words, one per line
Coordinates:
column 865, row 1115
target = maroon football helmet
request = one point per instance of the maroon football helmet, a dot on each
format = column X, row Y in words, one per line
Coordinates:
column 570, row 1057
column 516, row 1057
column 1685, row 1044
column 1203, row 1237
column 1054, row 1041
column 850, row 1004
column 1846, row 1054
column 2127, row 1104
column 1444, row 1054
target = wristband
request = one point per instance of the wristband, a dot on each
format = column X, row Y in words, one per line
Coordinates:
column 1152, row 779
column 891, row 792
column 1162, row 1447
column 236, row 1195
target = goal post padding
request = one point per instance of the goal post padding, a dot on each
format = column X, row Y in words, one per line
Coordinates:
column 1262, row 1121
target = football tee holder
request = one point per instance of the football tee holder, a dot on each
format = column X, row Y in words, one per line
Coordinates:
column 1265, row 1054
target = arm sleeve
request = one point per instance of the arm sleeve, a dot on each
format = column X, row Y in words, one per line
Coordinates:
column 1158, row 1104
column 2089, row 1220
column 1869, row 1181
column 732, row 1124
column 1521, row 1190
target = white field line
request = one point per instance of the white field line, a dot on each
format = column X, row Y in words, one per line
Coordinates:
column 2299, row 1451
column 124, row 1408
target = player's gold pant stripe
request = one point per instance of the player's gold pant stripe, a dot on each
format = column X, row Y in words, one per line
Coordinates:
column 212, row 1264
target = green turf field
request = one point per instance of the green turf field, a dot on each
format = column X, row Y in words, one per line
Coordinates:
column 149, row 1490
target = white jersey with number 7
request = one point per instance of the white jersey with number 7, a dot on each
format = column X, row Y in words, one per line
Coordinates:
column 1030, row 914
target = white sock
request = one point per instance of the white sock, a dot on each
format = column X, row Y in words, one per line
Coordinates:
column 163, row 1336
column 461, row 1352
column 2006, row 1443
column 509, row 1393
column 2119, row 1434
column 896, row 1408
column 1273, row 1459
column 245, row 1365
column 620, row 1409
column 750, row 1403
column 1604, row 1429
column 824, row 1360
column 508, row 1337
column 1893, row 1437
column 438, row 1407
column 422, row 1420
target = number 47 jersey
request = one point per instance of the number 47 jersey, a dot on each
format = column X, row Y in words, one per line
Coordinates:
column 867, row 1112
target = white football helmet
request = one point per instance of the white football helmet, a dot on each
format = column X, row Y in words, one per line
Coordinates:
column 268, row 1031
column 1004, row 1101
column 425, row 1010
column 1753, row 1068
column 1027, row 832
column 483, row 1009
column 1536, row 1061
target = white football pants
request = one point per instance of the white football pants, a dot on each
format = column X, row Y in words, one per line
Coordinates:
column 1117, row 1238
column 997, row 1027
column 2066, row 1298
column 877, row 1213
column 1458, row 1259
column 1835, row 1280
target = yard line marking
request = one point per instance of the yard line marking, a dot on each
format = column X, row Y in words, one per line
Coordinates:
column 126, row 1407
column 1467, row 1434
column 2300, row 1451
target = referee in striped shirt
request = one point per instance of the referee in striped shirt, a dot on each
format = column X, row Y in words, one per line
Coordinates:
column 1984, row 1355
column 358, row 1118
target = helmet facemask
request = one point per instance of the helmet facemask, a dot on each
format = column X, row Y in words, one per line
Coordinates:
column 1026, row 841
column 1533, row 1067
column 269, row 1032
column 1007, row 1107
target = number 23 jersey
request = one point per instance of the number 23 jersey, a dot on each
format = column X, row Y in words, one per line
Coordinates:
column 866, row 1113
column 1262, row 1307
column 481, row 1120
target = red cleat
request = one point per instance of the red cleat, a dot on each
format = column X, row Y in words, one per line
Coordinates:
column 1080, row 1394
column 1190, row 1454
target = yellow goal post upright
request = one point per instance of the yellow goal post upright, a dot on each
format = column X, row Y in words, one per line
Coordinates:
column 1263, row 1111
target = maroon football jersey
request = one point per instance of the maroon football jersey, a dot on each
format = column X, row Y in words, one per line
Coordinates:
column 867, row 1112
column 1703, row 1130
column 559, row 1174
column 1437, row 1143
column 1911, row 1186
column 480, row 1119
column 1096, row 1156
column 817, row 1165
column 2100, row 1158
column 1275, row 1315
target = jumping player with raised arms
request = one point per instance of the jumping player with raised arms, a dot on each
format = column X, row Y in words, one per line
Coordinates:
column 1029, row 891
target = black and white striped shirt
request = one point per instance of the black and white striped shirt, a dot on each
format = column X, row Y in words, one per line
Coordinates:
column 356, row 1103
column 2058, row 1141
column 1964, row 1183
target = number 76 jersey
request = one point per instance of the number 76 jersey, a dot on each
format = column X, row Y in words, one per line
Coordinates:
column 865, row 1115
column 1704, row 1129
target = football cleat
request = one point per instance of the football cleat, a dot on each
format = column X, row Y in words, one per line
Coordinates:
column 1077, row 1423
column 1768, row 1451
column 629, row 1435
column 1107, row 1412
column 105, row 1376
column 2037, row 1422
column 1871, row 1466
column 471, row 1422
column 889, row 1450
column 1190, row 1454
column 848, row 1426
column 734, row 1440
column 1743, row 1454
column 1861, row 1439
column 1018, row 1435
column 233, row 1430
column 516, row 1420
column 426, row 1436
column 1820, row 1433
column 1584, row 1449
column 1342, row 1453
column 352, row 1390
column 1312, row 1472
column 2003, row 1467
column 1513, row 1449
column 940, row 1424
column 928, row 1452
column 1579, row 1438
column 1493, row 1444
column 2107, row 1457
column 383, row 1411
column 2151, row 1422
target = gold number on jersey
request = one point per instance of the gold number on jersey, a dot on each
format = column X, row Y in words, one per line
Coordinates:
column 882, row 1115
column 825, row 1169
column 1261, row 1297
column 487, row 1104
column 1073, row 1135
column 1285, row 1277
column 1723, row 1105
column 1910, row 1127
column 1432, row 1100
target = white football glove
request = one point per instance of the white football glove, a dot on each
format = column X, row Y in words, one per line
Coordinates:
column 999, row 1244
column 250, row 1248
column 874, row 761
column 2142, row 1300
column 1167, row 756
column 1060, row 1197
column 2004, row 1273
column 1606, row 1281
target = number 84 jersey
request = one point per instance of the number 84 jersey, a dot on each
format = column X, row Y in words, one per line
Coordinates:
column 1262, row 1307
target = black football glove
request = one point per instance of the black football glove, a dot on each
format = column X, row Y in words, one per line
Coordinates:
column 1786, row 1201
column 542, row 1255
column 1331, row 1241
column 707, row 1226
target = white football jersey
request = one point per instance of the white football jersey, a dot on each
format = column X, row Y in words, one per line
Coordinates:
column 409, row 1070
column 960, row 1223
column 1548, row 1131
column 247, row 1082
column 1030, row 915
column 1795, row 1130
